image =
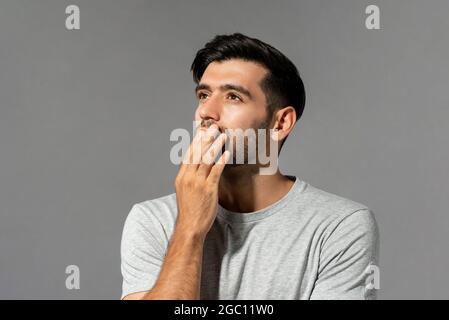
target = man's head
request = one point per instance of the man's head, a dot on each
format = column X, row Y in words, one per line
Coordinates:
column 244, row 83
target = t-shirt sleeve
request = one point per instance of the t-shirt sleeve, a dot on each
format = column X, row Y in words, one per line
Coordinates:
column 141, row 251
column 348, row 268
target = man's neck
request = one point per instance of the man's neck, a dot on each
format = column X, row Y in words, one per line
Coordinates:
column 243, row 189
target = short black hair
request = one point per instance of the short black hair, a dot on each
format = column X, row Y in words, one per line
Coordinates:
column 282, row 85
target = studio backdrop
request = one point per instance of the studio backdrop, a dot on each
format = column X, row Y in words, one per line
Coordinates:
column 91, row 90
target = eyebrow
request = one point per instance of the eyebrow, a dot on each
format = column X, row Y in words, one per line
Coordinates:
column 226, row 87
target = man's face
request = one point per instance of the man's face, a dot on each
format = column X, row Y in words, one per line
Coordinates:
column 229, row 95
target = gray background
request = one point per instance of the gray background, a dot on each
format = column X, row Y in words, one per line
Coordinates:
column 85, row 119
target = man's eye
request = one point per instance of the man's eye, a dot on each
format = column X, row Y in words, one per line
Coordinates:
column 234, row 97
column 201, row 95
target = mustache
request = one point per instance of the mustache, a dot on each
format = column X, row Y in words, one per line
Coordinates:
column 207, row 123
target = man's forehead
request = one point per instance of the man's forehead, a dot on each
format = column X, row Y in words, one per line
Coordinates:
column 239, row 72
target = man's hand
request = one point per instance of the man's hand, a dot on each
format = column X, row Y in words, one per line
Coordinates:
column 197, row 182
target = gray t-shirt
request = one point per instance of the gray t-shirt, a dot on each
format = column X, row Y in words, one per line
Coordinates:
column 310, row 244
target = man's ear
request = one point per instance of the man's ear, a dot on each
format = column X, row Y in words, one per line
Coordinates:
column 284, row 122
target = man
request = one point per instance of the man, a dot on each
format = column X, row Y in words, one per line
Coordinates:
column 230, row 232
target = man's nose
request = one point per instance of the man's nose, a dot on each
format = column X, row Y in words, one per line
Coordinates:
column 210, row 110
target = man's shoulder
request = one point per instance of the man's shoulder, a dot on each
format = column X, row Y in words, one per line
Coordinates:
column 162, row 209
column 163, row 202
column 331, row 205
column 338, row 215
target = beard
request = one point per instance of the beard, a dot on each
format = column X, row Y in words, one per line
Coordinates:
column 240, row 150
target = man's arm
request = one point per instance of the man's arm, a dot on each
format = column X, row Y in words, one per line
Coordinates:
column 197, row 200
column 180, row 275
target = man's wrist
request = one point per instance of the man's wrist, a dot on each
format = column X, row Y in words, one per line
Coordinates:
column 189, row 234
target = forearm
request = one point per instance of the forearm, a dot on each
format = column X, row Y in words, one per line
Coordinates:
column 180, row 275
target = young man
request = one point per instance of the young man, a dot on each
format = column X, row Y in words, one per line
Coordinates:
column 229, row 232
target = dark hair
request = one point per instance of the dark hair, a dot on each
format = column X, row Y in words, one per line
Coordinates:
column 282, row 85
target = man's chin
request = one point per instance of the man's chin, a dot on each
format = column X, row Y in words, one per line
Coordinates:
column 240, row 167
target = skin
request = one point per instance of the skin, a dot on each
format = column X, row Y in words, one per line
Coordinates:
column 241, row 188
column 201, row 186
